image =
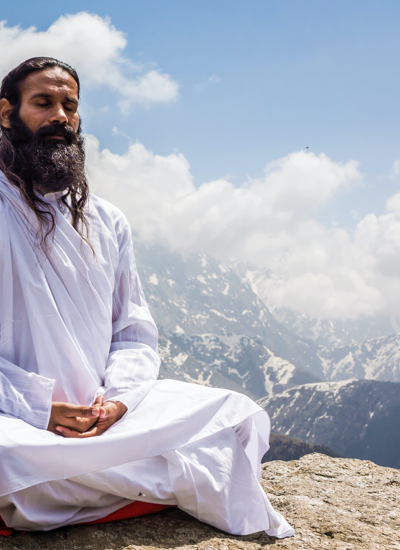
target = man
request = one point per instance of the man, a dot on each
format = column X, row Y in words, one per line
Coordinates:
column 85, row 428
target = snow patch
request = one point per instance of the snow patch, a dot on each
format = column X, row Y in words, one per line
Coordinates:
column 153, row 279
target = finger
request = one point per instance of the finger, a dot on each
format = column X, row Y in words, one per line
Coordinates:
column 75, row 427
column 104, row 412
column 81, row 424
column 104, row 423
column 72, row 411
column 110, row 410
column 54, row 431
column 66, row 432
column 99, row 400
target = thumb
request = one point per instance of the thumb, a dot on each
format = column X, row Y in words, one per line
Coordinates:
column 98, row 401
column 84, row 412
column 109, row 409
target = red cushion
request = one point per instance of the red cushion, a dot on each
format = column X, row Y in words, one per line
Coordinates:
column 132, row 510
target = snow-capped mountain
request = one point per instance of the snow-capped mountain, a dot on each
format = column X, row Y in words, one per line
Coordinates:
column 330, row 333
column 377, row 359
column 334, row 333
column 242, row 360
column 215, row 330
column 366, row 348
column 355, row 418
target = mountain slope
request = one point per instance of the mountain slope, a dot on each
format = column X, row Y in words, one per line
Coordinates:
column 193, row 294
column 331, row 333
column 335, row 333
column 244, row 361
column 377, row 359
column 355, row 418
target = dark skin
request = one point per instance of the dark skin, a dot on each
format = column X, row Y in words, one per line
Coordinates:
column 48, row 97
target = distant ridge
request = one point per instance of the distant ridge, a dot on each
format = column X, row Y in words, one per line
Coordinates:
column 355, row 418
column 284, row 447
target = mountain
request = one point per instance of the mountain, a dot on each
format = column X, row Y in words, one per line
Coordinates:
column 377, row 359
column 214, row 328
column 284, row 447
column 330, row 333
column 237, row 362
column 366, row 348
column 216, row 331
column 335, row 333
column 355, row 418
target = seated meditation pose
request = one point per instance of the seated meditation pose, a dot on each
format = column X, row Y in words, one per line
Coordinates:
column 85, row 426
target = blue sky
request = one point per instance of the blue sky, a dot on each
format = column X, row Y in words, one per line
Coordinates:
column 323, row 74
column 258, row 81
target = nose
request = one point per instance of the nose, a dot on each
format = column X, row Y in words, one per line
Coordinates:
column 58, row 115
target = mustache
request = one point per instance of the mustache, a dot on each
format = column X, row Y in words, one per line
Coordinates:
column 20, row 135
column 61, row 130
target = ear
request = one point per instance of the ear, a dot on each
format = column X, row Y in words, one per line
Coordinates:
column 5, row 111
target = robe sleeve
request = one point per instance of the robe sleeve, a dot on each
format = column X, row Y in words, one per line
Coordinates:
column 133, row 363
column 25, row 395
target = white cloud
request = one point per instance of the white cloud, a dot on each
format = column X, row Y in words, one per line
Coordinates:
column 159, row 197
column 94, row 47
column 201, row 86
column 395, row 170
column 269, row 221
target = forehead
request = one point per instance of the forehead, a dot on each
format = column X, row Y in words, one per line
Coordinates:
column 49, row 81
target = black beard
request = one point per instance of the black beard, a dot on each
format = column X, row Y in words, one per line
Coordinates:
column 49, row 166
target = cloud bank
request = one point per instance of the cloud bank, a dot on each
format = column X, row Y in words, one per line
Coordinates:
column 269, row 221
column 94, row 48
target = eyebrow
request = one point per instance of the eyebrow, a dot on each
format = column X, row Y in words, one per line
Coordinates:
column 49, row 96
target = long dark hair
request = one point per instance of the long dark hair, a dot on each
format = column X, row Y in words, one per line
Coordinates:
column 78, row 195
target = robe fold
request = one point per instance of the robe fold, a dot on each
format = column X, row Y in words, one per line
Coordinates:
column 73, row 326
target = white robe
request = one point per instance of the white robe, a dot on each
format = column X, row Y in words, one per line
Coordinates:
column 73, row 327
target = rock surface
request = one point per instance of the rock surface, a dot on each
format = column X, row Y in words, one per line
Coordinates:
column 333, row 503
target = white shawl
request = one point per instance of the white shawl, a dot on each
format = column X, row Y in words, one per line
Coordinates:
column 71, row 326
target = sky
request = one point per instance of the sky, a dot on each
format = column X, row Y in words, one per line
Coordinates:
column 265, row 131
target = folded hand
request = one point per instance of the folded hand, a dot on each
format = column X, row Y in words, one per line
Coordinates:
column 107, row 414
column 76, row 417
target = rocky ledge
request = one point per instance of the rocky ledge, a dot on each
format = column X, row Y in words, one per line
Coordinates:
column 333, row 503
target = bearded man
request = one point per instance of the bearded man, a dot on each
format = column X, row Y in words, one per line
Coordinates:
column 85, row 427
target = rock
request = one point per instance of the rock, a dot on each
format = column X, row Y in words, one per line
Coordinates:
column 333, row 503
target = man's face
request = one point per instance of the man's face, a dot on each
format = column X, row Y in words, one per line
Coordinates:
column 49, row 97
column 45, row 132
